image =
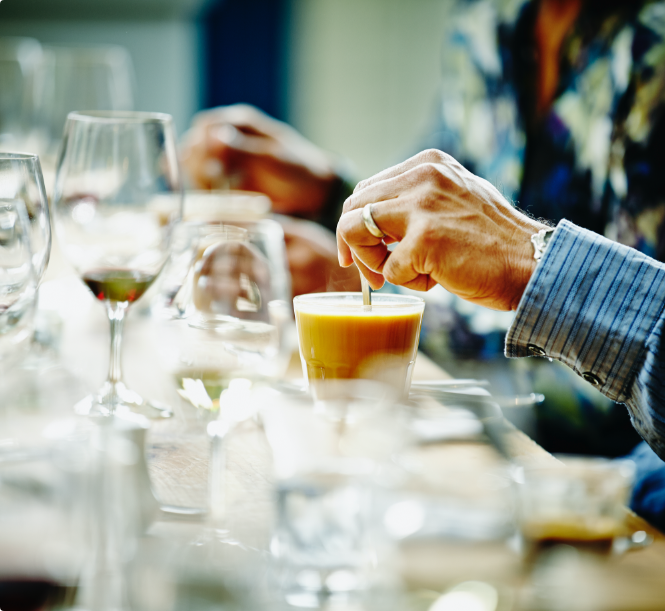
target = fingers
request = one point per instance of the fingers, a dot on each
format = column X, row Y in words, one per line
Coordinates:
column 235, row 155
column 223, row 137
column 378, row 192
column 343, row 251
column 427, row 156
column 353, row 238
column 401, row 268
column 375, row 280
column 391, row 217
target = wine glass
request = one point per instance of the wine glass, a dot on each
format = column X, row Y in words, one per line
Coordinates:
column 25, row 244
column 97, row 77
column 21, row 180
column 111, row 168
column 18, row 282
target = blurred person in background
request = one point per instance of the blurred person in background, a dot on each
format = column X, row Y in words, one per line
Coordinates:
column 559, row 103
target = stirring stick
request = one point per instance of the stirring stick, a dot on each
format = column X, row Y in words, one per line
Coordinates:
column 367, row 292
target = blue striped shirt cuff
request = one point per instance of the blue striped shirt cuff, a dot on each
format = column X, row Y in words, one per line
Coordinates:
column 594, row 305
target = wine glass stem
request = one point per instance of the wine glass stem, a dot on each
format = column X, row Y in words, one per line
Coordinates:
column 116, row 314
column 217, row 473
column 217, row 481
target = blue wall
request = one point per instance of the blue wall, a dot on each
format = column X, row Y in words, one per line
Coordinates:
column 244, row 51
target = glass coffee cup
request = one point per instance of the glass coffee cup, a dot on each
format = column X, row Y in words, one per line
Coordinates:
column 340, row 338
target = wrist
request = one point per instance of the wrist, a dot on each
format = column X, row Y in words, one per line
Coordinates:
column 524, row 260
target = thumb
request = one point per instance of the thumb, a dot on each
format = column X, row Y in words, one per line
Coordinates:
column 401, row 267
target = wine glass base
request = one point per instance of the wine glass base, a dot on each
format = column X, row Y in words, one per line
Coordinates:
column 211, row 322
column 117, row 399
column 186, row 512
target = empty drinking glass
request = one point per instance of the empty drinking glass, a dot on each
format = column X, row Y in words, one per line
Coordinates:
column 326, row 454
column 236, row 324
column 18, row 282
column 213, row 213
column 451, row 520
column 21, row 180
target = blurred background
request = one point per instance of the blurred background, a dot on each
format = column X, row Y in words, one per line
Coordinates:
column 303, row 61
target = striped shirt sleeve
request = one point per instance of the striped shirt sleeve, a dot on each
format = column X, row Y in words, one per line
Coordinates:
column 597, row 306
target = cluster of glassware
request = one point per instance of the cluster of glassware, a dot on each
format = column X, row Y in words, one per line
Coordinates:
column 117, row 201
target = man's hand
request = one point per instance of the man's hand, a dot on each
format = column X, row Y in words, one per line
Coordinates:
column 241, row 147
column 452, row 228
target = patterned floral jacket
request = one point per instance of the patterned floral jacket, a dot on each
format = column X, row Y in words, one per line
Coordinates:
column 597, row 157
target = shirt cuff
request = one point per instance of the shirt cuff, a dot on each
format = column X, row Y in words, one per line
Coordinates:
column 591, row 303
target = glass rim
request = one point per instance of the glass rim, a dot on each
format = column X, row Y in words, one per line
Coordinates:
column 226, row 206
column 207, row 194
column 207, row 230
column 319, row 300
column 18, row 156
column 119, row 116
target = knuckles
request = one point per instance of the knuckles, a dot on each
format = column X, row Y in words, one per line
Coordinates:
column 428, row 156
column 433, row 156
column 442, row 162
column 429, row 172
column 360, row 186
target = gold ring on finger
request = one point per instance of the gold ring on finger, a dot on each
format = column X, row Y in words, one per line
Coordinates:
column 370, row 224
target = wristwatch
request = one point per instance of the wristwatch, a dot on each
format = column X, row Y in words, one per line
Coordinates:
column 540, row 241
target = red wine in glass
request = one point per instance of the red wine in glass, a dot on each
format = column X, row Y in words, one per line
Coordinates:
column 119, row 285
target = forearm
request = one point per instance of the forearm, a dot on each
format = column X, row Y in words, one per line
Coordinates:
column 597, row 306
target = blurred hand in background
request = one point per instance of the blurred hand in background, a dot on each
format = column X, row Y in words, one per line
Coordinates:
column 241, row 147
